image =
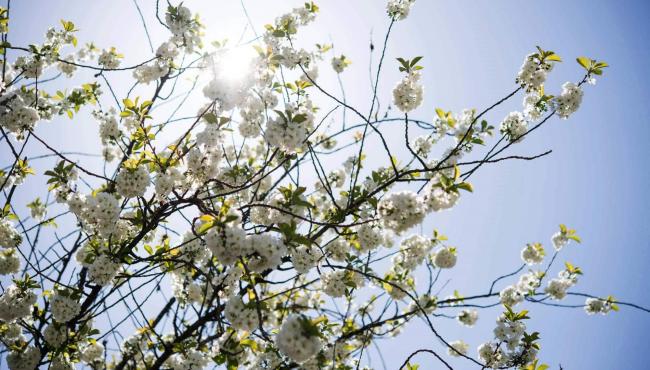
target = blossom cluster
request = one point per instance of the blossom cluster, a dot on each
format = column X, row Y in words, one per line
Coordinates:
column 400, row 211
column 64, row 305
column 532, row 76
column 598, row 305
column 16, row 302
column 99, row 213
column 297, row 339
column 9, row 236
column 557, row 287
column 569, row 100
column 514, row 126
column 399, row 9
column 533, row 72
column 132, row 183
column 240, row 316
column 28, row 359
column 9, row 261
column 409, row 92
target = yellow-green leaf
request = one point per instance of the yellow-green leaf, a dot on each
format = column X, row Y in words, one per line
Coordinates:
column 584, row 62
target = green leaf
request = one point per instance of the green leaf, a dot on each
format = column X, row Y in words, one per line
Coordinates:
column 465, row 186
column 445, row 181
column 456, row 172
column 146, row 103
column 584, row 62
column 299, row 118
column 415, row 61
column 575, row 238
column 67, row 25
column 410, row 366
column 210, row 117
column 554, row 58
column 205, row 227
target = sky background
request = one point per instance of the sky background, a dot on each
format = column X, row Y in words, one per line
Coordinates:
column 595, row 180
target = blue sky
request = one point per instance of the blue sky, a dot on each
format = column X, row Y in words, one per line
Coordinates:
column 595, row 180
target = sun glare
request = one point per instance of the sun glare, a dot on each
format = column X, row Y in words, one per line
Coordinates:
column 235, row 64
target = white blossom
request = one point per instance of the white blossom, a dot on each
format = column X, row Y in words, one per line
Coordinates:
column 304, row 258
column 597, row 305
column 458, row 346
column 340, row 63
column 569, row 100
column 239, row 315
column 533, row 254
column 514, row 126
column 437, row 199
column 109, row 59
column 511, row 296
column 16, row 303
column 132, row 182
column 557, row 288
column 399, row 9
column 150, row 72
column 91, row 352
column 408, row 93
column 28, row 359
column 401, row 210
column 296, row 341
column 63, row 306
column 103, row 269
column 67, row 65
column 228, row 244
column 467, row 317
column 191, row 359
column 9, row 261
column 445, row 258
column 55, row 335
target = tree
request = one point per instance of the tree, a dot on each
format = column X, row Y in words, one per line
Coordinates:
column 261, row 213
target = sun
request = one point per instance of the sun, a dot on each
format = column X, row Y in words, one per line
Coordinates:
column 234, row 64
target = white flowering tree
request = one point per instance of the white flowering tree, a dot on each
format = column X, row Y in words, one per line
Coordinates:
column 255, row 222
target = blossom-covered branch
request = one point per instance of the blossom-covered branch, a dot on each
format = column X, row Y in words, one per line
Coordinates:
column 255, row 231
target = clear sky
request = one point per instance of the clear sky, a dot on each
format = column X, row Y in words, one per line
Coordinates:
column 595, row 180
